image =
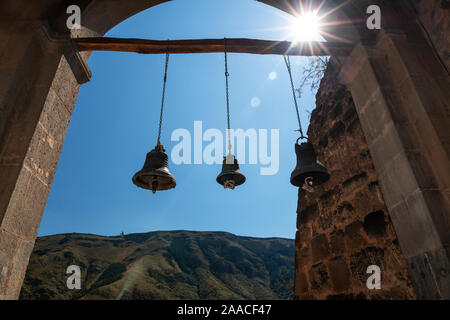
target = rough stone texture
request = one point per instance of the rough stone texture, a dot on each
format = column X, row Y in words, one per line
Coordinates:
column 345, row 223
column 404, row 117
column 435, row 17
column 37, row 104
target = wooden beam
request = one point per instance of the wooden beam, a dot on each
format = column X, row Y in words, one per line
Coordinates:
column 253, row 46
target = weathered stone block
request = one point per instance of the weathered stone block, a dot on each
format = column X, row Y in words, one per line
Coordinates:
column 20, row 267
column 422, row 168
column 365, row 83
column 65, row 85
column 26, row 207
column 23, row 121
column 303, row 236
column 43, row 155
column 9, row 176
column 9, row 244
column 329, row 197
column 320, row 247
column 422, row 276
column 395, row 190
column 339, row 273
column 337, row 243
column 413, row 217
column 354, row 182
column 55, row 117
column 344, row 211
column 301, row 283
column 17, row 45
column 386, row 147
column 307, row 215
column 353, row 236
column 325, row 220
column 440, row 266
column 302, row 257
column 319, row 278
column 7, row 75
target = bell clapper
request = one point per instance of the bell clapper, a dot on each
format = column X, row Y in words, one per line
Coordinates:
column 229, row 184
column 308, row 185
column 154, row 185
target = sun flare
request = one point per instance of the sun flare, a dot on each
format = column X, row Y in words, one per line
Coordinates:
column 306, row 27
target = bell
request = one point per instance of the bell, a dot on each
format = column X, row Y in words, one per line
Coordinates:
column 231, row 176
column 155, row 174
column 309, row 172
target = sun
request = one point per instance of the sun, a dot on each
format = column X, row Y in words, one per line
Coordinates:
column 306, row 27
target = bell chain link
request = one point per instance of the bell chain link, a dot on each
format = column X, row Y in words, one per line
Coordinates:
column 163, row 95
column 227, row 94
column 288, row 66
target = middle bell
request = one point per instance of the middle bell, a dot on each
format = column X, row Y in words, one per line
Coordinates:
column 231, row 176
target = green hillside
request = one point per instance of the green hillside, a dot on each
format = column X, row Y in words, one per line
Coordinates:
column 162, row 265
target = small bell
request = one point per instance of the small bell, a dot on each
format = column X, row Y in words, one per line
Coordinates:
column 155, row 174
column 309, row 172
column 231, row 176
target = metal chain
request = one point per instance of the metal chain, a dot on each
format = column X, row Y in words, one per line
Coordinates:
column 162, row 101
column 288, row 66
column 228, row 95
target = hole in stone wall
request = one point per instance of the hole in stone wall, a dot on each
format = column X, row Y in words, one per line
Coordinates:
column 375, row 224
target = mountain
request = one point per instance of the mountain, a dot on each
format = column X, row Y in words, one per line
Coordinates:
column 162, row 265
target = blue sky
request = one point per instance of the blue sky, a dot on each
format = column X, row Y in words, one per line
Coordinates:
column 116, row 117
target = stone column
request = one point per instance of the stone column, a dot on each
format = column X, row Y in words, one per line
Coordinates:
column 402, row 94
column 37, row 94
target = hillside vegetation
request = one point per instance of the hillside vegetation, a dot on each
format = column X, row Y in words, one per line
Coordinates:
column 162, row 265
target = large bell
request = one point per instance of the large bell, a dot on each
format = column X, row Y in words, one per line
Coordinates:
column 309, row 172
column 155, row 174
column 231, row 176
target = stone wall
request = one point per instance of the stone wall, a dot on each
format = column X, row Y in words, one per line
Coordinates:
column 434, row 15
column 344, row 226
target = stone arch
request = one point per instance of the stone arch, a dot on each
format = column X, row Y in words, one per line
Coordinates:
column 397, row 96
column 99, row 16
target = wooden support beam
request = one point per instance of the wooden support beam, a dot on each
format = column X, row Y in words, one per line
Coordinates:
column 253, row 46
